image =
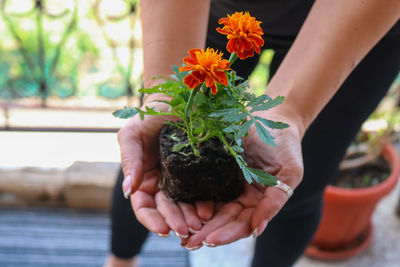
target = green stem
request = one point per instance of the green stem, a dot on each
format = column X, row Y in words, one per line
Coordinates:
column 232, row 58
column 233, row 152
column 188, row 107
column 204, row 138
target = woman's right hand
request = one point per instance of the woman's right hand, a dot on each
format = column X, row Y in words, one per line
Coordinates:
column 139, row 145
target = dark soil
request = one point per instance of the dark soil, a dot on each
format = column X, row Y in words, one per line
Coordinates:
column 214, row 175
column 364, row 176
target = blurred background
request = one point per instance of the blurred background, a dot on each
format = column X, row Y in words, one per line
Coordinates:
column 65, row 66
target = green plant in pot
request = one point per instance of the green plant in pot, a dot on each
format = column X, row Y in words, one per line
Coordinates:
column 201, row 152
column 369, row 172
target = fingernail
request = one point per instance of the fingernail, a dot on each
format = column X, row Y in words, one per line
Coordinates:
column 163, row 235
column 211, row 245
column 203, row 222
column 180, row 235
column 193, row 231
column 260, row 228
column 126, row 186
column 193, row 248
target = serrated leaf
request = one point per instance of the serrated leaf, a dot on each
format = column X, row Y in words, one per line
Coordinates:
column 228, row 102
column 272, row 124
column 238, row 149
column 262, row 177
column 247, row 175
column 232, row 117
column 151, row 111
column 152, row 90
column 231, row 128
column 269, row 104
column 264, row 135
column 244, row 128
column 179, row 75
column 258, row 100
column 125, row 113
column 222, row 112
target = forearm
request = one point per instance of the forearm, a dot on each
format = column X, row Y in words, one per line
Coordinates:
column 333, row 40
column 170, row 29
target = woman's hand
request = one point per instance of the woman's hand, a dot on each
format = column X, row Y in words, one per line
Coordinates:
column 250, row 213
column 139, row 146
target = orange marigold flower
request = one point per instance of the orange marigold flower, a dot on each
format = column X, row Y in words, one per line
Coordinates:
column 206, row 66
column 244, row 34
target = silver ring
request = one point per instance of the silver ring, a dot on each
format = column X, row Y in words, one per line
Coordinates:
column 284, row 187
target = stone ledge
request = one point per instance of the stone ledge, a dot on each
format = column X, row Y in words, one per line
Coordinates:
column 82, row 185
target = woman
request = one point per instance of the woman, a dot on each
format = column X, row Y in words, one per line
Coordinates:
column 333, row 70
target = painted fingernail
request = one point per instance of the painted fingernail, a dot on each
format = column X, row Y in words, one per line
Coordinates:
column 163, row 235
column 180, row 235
column 193, row 248
column 260, row 228
column 193, row 231
column 211, row 245
column 126, row 186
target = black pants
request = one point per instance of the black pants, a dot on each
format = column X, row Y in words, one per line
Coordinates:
column 324, row 145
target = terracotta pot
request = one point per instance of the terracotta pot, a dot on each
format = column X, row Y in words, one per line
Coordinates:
column 346, row 228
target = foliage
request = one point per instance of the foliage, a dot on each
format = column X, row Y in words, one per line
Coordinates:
column 228, row 115
column 212, row 102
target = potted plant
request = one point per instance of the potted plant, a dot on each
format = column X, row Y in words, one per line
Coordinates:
column 369, row 172
column 201, row 152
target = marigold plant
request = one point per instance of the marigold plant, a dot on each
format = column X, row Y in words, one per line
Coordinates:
column 228, row 111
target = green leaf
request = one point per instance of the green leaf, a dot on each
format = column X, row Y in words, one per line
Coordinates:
column 229, row 101
column 262, row 177
column 151, row 111
column 272, row 124
column 270, row 104
column 234, row 117
column 179, row 147
column 247, row 175
column 126, row 113
column 258, row 100
column 231, row 128
column 264, row 135
column 226, row 111
column 152, row 90
column 238, row 149
column 244, row 129
column 250, row 174
column 179, row 75
column 174, row 137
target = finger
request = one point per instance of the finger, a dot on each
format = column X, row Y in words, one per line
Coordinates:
column 145, row 210
column 205, row 210
column 225, row 215
column 172, row 214
column 191, row 217
column 233, row 231
column 131, row 160
column 268, row 207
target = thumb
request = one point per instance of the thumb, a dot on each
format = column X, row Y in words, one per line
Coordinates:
column 268, row 207
column 132, row 162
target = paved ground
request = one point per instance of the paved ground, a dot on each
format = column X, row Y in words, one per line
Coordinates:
column 49, row 237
